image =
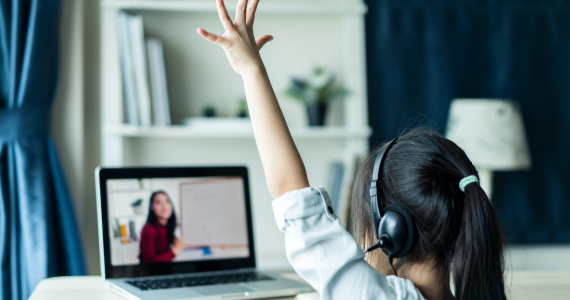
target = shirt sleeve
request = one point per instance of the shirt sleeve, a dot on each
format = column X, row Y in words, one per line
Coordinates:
column 327, row 256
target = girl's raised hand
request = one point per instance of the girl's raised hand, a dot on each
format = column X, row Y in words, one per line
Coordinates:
column 282, row 164
column 238, row 42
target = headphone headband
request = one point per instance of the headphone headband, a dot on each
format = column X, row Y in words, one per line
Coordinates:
column 378, row 164
column 393, row 224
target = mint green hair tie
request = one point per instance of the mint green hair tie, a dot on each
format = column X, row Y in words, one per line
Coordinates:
column 467, row 180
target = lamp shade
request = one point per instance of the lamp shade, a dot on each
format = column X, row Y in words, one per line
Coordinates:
column 491, row 132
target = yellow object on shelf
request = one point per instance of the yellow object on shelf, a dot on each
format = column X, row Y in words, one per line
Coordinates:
column 124, row 235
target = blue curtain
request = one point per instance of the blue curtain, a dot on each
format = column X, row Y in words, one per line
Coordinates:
column 38, row 231
column 423, row 53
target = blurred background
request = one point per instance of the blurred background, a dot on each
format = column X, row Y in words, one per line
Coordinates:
column 420, row 55
column 398, row 64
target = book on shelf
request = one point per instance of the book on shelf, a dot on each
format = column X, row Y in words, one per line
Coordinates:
column 127, row 69
column 143, row 72
column 357, row 164
column 342, row 179
column 335, row 184
column 157, row 71
column 132, row 231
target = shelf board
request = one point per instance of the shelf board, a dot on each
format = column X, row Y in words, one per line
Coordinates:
column 241, row 133
column 267, row 7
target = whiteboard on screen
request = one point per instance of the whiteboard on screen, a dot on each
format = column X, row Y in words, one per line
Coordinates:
column 213, row 212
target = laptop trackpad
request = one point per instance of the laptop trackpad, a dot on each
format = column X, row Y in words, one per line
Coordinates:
column 222, row 289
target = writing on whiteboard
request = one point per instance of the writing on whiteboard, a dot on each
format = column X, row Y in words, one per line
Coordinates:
column 213, row 212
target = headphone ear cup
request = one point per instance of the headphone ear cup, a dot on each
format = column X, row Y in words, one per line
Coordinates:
column 397, row 224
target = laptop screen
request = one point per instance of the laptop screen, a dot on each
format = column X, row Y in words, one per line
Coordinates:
column 160, row 220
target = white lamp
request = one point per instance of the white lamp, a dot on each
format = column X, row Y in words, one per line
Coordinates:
column 492, row 134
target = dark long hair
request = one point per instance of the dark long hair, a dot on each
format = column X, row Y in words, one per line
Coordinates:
column 459, row 230
column 151, row 219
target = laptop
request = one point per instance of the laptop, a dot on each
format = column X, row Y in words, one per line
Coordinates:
column 181, row 233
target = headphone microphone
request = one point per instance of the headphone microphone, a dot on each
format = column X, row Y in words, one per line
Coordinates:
column 383, row 242
column 393, row 224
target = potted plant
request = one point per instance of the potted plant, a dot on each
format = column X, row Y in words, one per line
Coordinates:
column 242, row 108
column 137, row 206
column 316, row 92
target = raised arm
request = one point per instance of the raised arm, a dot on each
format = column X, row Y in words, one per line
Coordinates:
column 284, row 169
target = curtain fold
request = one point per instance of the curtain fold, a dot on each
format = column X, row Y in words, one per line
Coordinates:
column 39, row 237
column 423, row 53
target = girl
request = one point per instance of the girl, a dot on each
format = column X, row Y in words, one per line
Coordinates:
column 417, row 198
column 157, row 234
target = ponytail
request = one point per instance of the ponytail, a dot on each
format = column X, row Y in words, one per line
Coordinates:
column 478, row 261
column 458, row 230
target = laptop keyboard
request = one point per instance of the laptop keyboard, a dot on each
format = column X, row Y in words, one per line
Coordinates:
column 195, row 280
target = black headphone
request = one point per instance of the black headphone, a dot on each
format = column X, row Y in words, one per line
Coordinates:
column 393, row 224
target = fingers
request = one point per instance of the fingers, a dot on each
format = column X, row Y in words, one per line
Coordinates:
column 244, row 13
column 240, row 12
column 250, row 15
column 216, row 39
column 262, row 40
column 224, row 17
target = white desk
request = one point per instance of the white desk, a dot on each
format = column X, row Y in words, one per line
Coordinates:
column 91, row 288
column 527, row 285
column 521, row 285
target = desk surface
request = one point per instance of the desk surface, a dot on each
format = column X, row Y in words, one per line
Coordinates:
column 521, row 285
column 94, row 288
column 527, row 285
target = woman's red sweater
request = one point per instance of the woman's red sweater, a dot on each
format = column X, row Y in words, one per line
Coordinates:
column 154, row 244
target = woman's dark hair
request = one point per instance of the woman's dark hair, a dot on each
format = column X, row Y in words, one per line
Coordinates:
column 151, row 219
column 459, row 231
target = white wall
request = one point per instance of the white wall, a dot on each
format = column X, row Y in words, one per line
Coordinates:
column 75, row 130
column 67, row 126
column 538, row 257
column 67, row 118
column 75, row 115
column 92, row 129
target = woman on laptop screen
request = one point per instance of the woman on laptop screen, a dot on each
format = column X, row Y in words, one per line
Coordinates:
column 158, row 243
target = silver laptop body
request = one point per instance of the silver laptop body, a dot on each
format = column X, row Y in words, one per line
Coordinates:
column 212, row 212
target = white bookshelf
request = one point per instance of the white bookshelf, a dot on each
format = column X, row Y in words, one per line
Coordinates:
column 282, row 7
column 181, row 131
column 307, row 33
